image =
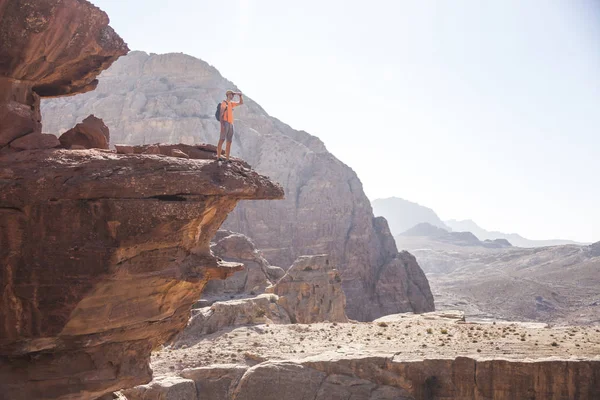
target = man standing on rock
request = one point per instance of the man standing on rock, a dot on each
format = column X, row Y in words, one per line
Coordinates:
column 226, row 119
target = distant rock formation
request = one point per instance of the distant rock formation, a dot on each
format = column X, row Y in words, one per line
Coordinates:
column 514, row 238
column 403, row 214
column 171, row 98
column 557, row 284
column 456, row 238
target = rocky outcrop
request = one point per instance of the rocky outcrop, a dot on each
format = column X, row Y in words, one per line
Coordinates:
column 264, row 308
column 49, row 48
column 89, row 134
column 171, row 98
column 256, row 276
column 366, row 377
column 413, row 357
column 311, row 291
column 103, row 256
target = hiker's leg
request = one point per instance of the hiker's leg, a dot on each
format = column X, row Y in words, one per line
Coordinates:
column 229, row 140
column 219, row 148
column 227, row 149
column 222, row 136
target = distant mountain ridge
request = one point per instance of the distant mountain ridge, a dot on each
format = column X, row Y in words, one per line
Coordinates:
column 403, row 214
column 456, row 238
column 514, row 238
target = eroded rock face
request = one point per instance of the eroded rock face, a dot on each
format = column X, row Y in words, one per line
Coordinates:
column 311, row 291
column 49, row 48
column 171, row 98
column 256, row 276
column 102, row 257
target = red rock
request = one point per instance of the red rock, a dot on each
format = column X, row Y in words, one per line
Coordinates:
column 102, row 257
column 19, row 110
column 35, row 141
column 91, row 133
column 49, row 48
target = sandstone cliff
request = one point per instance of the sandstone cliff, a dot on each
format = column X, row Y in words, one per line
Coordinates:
column 101, row 254
column 171, row 98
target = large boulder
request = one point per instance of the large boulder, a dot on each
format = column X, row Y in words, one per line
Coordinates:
column 91, row 133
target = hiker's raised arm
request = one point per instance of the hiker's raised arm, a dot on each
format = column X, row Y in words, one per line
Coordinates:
column 241, row 98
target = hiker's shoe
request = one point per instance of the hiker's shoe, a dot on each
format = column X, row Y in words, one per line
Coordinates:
column 228, row 161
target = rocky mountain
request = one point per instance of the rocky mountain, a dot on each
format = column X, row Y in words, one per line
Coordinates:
column 457, row 238
column 172, row 98
column 403, row 214
column 557, row 284
column 514, row 238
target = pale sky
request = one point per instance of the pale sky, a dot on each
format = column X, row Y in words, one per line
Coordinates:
column 478, row 109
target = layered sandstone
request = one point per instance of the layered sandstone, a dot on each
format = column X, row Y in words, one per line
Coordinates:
column 49, row 48
column 103, row 256
column 433, row 356
column 171, row 98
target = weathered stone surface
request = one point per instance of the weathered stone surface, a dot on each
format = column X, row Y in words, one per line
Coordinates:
column 49, row 48
column 364, row 377
column 165, row 388
column 256, row 276
column 435, row 356
column 171, row 98
column 91, row 133
column 35, row 141
column 264, row 308
column 311, row 291
column 19, row 110
column 59, row 45
column 216, row 382
column 102, row 257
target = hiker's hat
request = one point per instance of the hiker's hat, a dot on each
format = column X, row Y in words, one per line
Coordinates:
column 229, row 91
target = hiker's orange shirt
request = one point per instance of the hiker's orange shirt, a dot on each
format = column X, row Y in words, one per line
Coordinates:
column 228, row 116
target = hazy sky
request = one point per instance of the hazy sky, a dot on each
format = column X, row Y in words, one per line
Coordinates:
column 483, row 110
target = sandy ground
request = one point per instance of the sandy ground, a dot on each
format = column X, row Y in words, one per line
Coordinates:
column 404, row 337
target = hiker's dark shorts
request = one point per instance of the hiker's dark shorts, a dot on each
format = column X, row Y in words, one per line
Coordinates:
column 226, row 131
